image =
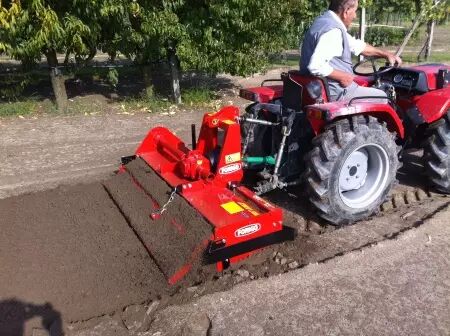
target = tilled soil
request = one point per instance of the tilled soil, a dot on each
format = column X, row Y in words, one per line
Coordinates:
column 70, row 247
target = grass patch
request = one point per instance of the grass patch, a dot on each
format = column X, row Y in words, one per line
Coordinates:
column 198, row 96
column 285, row 63
column 150, row 104
column 193, row 97
column 20, row 108
column 436, row 57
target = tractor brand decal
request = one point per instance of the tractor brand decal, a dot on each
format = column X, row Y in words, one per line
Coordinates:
column 230, row 169
column 232, row 208
column 232, row 158
column 247, row 230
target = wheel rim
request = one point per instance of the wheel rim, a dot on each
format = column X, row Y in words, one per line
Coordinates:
column 364, row 176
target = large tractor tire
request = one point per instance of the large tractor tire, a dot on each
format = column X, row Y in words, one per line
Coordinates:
column 351, row 169
column 437, row 154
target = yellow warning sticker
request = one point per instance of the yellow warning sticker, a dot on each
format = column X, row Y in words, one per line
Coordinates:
column 232, row 208
column 232, row 158
column 229, row 122
column 249, row 208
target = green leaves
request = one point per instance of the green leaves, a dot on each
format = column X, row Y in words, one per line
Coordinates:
column 35, row 27
column 218, row 36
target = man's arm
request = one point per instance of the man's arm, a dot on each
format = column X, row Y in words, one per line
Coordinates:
column 344, row 78
column 390, row 57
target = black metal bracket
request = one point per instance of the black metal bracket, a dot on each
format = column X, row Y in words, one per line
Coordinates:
column 270, row 80
column 214, row 255
column 127, row 159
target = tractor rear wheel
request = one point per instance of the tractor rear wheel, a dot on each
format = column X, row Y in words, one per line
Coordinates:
column 436, row 158
column 351, row 169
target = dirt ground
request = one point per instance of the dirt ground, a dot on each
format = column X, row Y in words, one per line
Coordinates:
column 72, row 255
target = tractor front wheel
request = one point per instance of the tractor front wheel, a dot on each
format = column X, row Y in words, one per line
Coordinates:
column 351, row 169
column 437, row 154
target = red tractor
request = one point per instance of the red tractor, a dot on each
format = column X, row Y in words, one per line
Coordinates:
column 347, row 152
column 194, row 207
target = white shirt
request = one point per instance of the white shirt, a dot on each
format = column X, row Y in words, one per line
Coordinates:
column 330, row 46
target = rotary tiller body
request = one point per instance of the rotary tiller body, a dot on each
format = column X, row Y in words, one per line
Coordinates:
column 235, row 220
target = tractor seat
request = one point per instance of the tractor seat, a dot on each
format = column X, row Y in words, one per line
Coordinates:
column 295, row 94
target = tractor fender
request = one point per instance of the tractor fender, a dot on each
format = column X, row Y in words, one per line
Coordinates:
column 320, row 115
column 431, row 106
column 262, row 94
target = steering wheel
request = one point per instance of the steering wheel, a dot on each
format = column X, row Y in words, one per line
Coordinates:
column 376, row 71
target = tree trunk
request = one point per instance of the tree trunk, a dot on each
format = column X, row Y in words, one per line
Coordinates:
column 58, row 82
column 174, row 63
column 67, row 59
column 149, row 91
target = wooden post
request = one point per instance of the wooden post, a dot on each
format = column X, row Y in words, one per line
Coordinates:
column 362, row 28
column 430, row 33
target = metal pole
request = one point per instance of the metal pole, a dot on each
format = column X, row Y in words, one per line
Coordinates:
column 362, row 28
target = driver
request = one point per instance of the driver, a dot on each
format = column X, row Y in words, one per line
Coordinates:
column 327, row 49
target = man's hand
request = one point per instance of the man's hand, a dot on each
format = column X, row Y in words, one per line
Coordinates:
column 393, row 60
column 344, row 78
column 371, row 51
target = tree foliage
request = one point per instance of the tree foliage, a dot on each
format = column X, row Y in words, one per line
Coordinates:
column 38, row 27
column 412, row 8
column 215, row 36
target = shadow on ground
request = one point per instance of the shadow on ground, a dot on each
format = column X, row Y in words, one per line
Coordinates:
column 132, row 81
column 412, row 173
column 19, row 318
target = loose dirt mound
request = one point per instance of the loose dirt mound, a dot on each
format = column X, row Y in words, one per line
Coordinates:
column 178, row 238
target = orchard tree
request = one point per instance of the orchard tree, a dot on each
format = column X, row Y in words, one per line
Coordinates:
column 303, row 13
column 235, row 36
column 120, row 27
column 35, row 28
